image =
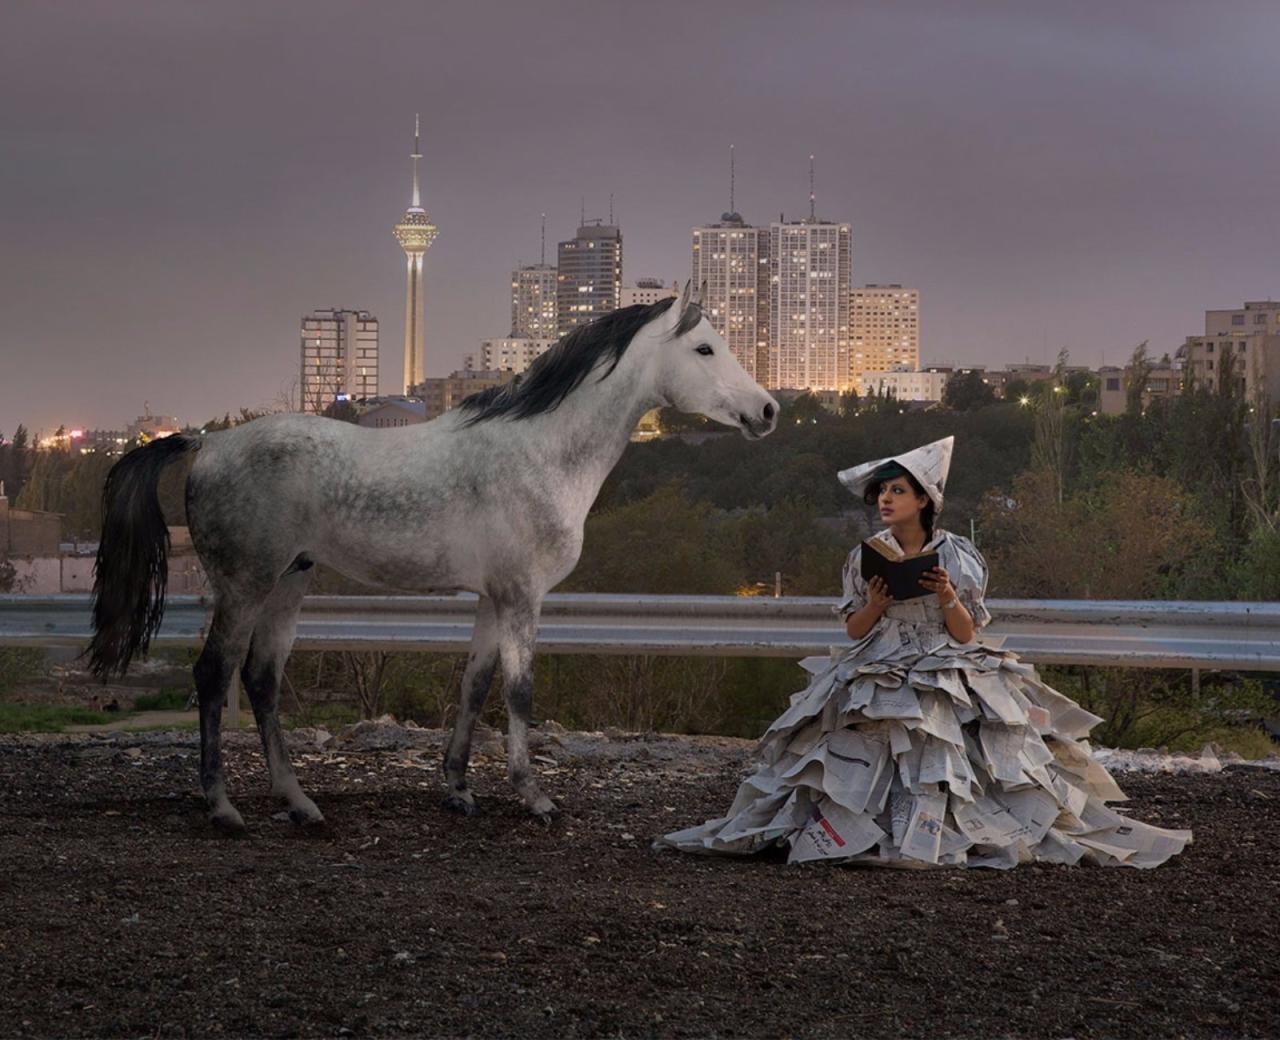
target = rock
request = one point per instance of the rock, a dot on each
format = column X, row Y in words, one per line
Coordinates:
column 307, row 738
column 382, row 734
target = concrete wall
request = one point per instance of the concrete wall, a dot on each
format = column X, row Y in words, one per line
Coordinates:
column 52, row 575
column 25, row 532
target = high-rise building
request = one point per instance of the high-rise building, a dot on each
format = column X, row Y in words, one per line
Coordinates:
column 884, row 330
column 809, row 276
column 339, row 357
column 533, row 297
column 415, row 233
column 533, row 302
column 510, row 354
column 732, row 259
column 589, row 275
column 647, row 291
column 1244, row 342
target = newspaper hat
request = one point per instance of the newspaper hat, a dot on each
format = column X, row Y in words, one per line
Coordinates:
column 929, row 464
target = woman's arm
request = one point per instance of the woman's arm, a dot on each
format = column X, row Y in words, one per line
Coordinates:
column 958, row 620
column 860, row 622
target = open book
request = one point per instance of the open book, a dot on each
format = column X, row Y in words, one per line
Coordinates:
column 901, row 573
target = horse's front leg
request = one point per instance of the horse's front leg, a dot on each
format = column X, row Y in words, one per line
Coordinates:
column 476, row 680
column 517, row 633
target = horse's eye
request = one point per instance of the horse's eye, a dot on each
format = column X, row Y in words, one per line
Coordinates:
column 705, row 350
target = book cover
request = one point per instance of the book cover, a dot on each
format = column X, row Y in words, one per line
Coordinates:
column 901, row 573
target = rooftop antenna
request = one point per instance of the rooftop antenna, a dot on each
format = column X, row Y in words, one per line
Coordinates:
column 812, row 197
column 417, row 154
column 543, row 260
column 731, row 209
column 582, row 216
column 611, row 209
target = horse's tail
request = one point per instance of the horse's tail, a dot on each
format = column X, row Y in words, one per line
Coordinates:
column 132, row 568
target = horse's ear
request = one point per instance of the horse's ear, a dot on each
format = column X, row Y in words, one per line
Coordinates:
column 702, row 293
column 679, row 309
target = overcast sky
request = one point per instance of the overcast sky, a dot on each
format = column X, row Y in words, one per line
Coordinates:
column 180, row 182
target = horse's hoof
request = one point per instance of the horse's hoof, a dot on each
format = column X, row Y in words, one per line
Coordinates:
column 546, row 810
column 306, row 816
column 227, row 820
column 464, row 803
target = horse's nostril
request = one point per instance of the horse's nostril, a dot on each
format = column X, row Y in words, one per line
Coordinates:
column 768, row 412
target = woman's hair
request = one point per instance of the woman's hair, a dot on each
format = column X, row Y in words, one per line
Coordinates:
column 890, row 471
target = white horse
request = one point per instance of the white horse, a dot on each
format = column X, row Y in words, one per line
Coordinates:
column 490, row 498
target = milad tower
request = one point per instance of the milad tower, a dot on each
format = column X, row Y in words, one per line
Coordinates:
column 415, row 233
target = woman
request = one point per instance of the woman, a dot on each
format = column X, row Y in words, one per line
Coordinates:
column 919, row 746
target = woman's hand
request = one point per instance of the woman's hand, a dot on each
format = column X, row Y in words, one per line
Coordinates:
column 878, row 594
column 938, row 581
column 859, row 623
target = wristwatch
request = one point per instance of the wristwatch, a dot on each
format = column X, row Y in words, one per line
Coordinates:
column 955, row 602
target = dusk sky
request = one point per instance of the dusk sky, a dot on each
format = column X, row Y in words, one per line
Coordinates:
column 182, row 181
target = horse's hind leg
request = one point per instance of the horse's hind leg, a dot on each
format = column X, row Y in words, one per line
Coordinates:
column 517, row 633
column 476, row 680
column 262, row 673
column 224, row 649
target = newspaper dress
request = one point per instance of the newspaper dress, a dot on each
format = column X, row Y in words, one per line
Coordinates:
column 910, row 749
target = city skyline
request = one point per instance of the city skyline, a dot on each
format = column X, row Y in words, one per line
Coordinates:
column 1047, row 179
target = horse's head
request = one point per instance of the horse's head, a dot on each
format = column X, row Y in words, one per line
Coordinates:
column 698, row 373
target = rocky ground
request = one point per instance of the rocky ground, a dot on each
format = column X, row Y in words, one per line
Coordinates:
column 122, row 914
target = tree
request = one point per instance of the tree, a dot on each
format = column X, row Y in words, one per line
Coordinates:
column 672, row 420
column 80, row 495
column 1082, row 390
column 42, row 490
column 1048, row 450
column 967, row 392
column 1136, row 374
column 665, row 543
column 1128, row 538
column 807, row 409
column 880, row 402
column 1261, row 485
column 1016, row 390
column 366, row 670
column 343, row 411
column 15, row 463
column 228, row 420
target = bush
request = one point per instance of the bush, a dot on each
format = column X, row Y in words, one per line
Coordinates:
column 19, row 664
column 168, row 699
column 1159, row 708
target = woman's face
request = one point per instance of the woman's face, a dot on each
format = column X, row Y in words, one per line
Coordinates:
column 898, row 501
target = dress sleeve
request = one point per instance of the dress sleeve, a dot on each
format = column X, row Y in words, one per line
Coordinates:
column 969, row 576
column 855, row 588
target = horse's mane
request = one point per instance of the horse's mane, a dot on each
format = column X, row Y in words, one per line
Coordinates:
column 561, row 370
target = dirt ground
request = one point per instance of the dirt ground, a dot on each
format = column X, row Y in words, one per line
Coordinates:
column 122, row 914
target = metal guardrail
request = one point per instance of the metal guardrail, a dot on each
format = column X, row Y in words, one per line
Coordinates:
column 1144, row 634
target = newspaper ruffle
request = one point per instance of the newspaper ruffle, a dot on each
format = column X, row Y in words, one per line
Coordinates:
column 909, row 749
